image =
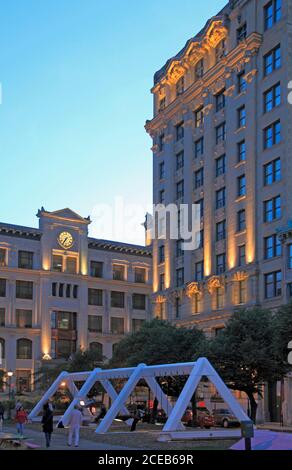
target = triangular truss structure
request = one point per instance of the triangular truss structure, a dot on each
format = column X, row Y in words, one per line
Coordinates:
column 194, row 370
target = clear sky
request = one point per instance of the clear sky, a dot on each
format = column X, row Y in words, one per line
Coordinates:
column 76, row 78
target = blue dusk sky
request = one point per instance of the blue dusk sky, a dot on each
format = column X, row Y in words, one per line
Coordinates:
column 76, row 78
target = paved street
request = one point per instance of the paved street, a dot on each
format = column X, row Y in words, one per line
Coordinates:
column 59, row 441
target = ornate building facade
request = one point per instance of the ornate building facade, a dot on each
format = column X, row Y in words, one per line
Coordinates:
column 61, row 290
column 222, row 139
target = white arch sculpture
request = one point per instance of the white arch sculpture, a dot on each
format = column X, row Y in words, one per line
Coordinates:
column 195, row 371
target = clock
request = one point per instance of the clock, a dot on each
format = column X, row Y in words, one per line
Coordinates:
column 65, row 239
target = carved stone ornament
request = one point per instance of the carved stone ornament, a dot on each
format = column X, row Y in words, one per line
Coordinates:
column 215, row 282
column 174, row 295
column 240, row 276
column 192, row 289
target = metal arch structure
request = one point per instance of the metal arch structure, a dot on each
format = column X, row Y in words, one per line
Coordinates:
column 194, row 370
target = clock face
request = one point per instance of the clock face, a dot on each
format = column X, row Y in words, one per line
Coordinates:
column 65, row 239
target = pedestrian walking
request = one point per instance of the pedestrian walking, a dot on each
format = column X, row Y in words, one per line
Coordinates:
column 137, row 416
column 47, row 422
column 2, row 410
column 21, row 420
column 75, row 423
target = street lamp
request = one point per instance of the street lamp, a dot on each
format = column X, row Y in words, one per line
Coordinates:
column 10, row 375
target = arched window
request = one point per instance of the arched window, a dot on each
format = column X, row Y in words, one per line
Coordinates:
column 2, row 349
column 24, row 349
column 98, row 347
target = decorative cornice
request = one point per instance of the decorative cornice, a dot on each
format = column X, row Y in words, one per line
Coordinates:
column 240, row 276
column 215, row 282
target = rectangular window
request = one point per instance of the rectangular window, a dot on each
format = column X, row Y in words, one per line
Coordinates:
column 179, row 160
column 219, row 297
column 221, row 165
column 272, row 172
column 2, row 287
column 180, row 277
column 25, row 260
column 180, row 86
column 241, row 33
column 2, row 319
column 117, row 299
column 241, row 117
column 140, row 275
column 23, row 318
column 273, row 284
column 241, row 186
column 24, row 290
column 179, row 250
column 139, row 301
column 161, row 170
column 96, row 269
column 241, row 82
column 179, row 131
column 241, row 151
column 199, row 271
column 220, row 101
column 199, row 69
column 272, row 98
column 161, row 142
column 180, row 189
column 242, row 292
column 95, row 323
column 221, row 133
column 199, row 117
column 241, row 255
column 117, row 326
column 272, row 60
column 199, row 178
column 220, row 50
column 64, row 321
column 137, row 324
column 95, row 297
column 272, row 209
column 199, row 147
column 71, row 265
column 57, row 264
column 272, row 247
column 161, row 254
column 220, row 198
column 221, row 230
column 2, row 257
column 290, row 256
column 241, row 222
column 272, row 135
column 162, row 281
column 118, row 272
column 272, row 13
column 220, row 263
column 162, row 196
column 75, row 291
column 200, row 203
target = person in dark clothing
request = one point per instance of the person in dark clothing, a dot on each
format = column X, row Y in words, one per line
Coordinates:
column 2, row 410
column 47, row 422
column 137, row 416
column 101, row 414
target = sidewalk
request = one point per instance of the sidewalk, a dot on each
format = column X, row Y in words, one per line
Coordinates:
column 274, row 427
column 59, row 441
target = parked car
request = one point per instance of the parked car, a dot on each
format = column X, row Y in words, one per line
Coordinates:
column 225, row 418
column 204, row 419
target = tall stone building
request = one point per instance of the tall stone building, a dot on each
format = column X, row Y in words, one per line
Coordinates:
column 61, row 290
column 222, row 138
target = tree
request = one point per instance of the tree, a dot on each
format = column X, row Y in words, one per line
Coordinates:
column 243, row 353
column 283, row 335
column 78, row 362
column 159, row 342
